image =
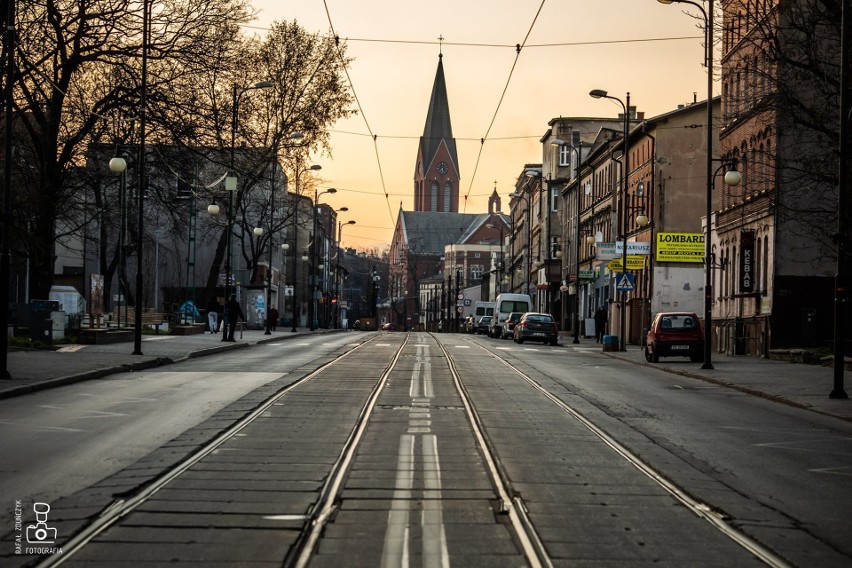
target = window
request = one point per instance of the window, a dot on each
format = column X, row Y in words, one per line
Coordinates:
column 434, row 204
column 448, row 192
column 564, row 155
column 476, row 271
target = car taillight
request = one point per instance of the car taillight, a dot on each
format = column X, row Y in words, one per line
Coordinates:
column 523, row 324
column 554, row 327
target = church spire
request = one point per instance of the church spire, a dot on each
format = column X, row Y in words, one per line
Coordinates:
column 436, row 179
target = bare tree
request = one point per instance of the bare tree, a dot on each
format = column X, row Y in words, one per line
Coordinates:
column 78, row 62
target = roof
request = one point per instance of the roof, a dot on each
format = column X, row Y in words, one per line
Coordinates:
column 427, row 232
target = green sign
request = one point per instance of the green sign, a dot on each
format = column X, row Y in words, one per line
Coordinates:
column 587, row 275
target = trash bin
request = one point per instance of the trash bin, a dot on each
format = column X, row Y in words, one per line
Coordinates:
column 41, row 321
column 610, row 343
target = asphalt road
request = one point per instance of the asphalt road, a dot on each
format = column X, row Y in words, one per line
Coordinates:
column 779, row 474
column 59, row 441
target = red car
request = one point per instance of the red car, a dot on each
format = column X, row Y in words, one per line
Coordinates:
column 675, row 334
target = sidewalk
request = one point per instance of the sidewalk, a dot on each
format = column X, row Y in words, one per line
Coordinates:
column 796, row 384
column 38, row 369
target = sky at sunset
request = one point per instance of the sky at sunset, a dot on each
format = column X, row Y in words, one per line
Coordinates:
column 570, row 47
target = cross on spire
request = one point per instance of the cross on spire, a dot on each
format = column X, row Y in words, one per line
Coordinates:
column 441, row 45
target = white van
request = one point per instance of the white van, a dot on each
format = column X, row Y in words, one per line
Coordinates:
column 483, row 309
column 506, row 304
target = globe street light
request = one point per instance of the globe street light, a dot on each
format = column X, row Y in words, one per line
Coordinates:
column 601, row 94
column 577, row 154
column 314, row 253
column 314, row 167
column 338, row 276
column 231, row 187
column 708, row 278
column 292, row 136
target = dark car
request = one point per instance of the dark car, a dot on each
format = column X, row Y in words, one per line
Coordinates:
column 675, row 334
column 507, row 330
column 482, row 325
column 534, row 326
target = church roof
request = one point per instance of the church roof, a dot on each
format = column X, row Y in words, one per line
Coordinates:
column 438, row 126
column 427, row 232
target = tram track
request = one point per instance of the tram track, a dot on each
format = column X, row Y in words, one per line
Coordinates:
column 702, row 510
column 511, row 508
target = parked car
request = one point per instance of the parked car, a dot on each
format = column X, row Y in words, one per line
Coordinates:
column 534, row 326
column 506, row 304
column 482, row 325
column 506, row 328
column 675, row 334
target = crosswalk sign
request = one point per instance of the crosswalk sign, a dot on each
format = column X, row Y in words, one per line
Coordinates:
column 624, row 282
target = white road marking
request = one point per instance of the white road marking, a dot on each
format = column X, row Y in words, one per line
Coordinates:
column 395, row 551
column 435, row 552
column 844, row 470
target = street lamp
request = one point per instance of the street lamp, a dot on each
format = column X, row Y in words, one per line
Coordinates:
column 708, row 282
column 601, row 94
column 314, row 167
column 231, row 187
column 516, row 195
column 314, row 252
column 119, row 166
column 500, row 268
column 337, row 274
column 578, row 156
column 292, row 136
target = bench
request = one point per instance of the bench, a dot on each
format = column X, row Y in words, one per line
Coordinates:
column 149, row 318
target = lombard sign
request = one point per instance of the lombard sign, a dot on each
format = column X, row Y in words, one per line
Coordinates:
column 680, row 247
column 611, row 251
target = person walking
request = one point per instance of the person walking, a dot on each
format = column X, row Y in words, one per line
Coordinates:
column 273, row 318
column 600, row 324
column 233, row 313
column 213, row 307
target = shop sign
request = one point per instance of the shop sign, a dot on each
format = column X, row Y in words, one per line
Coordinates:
column 680, row 247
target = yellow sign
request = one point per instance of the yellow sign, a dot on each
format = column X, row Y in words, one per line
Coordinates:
column 634, row 262
column 680, row 247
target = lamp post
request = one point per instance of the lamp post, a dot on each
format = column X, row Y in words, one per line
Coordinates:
column 314, row 167
column 708, row 279
column 601, row 94
column 516, row 195
column 118, row 166
column 338, row 276
column 708, row 284
column 143, row 182
column 231, row 187
column 499, row 270
column 313, row 254
column 292, row 136
column 578, row 156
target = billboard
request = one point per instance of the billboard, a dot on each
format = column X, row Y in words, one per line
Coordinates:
column 680, row 247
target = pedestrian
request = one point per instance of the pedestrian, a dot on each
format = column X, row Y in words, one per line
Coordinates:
column 273, row 318
column 600, row 324
column 233, row 314
column 213, row 307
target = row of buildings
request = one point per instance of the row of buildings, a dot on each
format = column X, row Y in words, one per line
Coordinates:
column 644, row 181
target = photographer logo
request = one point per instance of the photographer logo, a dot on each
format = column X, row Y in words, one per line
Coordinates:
column 40, row 537
column 40, row 533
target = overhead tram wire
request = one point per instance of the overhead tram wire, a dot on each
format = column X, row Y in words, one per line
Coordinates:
column 518, row 49
column 361, row 109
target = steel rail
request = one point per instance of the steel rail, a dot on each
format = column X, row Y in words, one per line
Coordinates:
column 512, row 505
column 122, row 507
column 700, row 509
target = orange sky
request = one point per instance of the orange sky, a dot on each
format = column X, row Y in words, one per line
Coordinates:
column 571, row 47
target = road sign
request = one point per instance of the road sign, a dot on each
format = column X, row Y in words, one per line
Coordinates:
column 624, row 282
column 633, row 263
column 609, row 251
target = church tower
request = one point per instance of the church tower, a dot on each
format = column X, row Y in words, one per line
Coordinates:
column 436, row 176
